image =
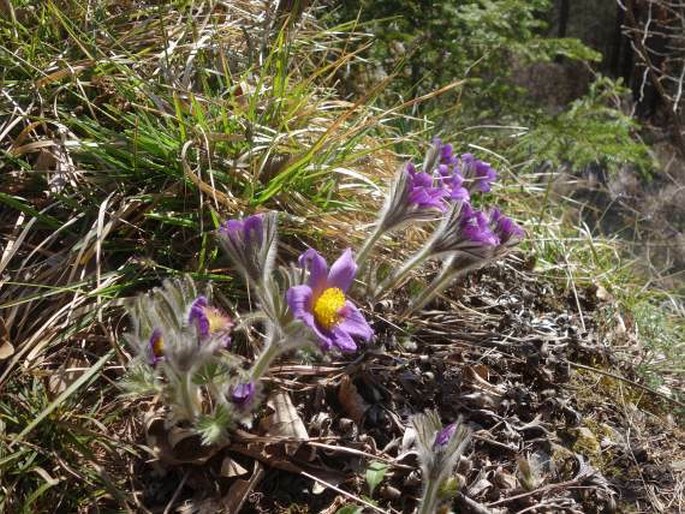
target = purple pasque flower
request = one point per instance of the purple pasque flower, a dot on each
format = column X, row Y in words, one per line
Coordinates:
column 321, row 303
column 423, row 193
column 475, row 227
column 251, row 244
column 479, row 173
column 506, row 229
column 243, row 394
column 439, row 450
column 464, row 229
column 209, row 320
column 414, row 196
column 156, row 347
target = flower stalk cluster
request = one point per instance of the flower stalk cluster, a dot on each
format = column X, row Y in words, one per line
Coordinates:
column 177, row 334
column 465, row 239
column 184, row 341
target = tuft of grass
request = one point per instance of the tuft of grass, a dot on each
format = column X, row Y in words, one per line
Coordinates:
column 128, row 135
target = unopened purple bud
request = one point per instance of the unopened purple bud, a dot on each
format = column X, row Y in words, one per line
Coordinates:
column 480, row 172
column 457, row 190
column 246, row 231
column 243, row 394
column 475, row 227
column 443, row 437
column 485, row 176
column 251, row 245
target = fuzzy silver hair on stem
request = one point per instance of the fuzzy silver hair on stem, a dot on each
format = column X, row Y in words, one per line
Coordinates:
column 438, row 448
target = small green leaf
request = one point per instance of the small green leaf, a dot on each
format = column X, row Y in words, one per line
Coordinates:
column 375, row 474
column 213, row 428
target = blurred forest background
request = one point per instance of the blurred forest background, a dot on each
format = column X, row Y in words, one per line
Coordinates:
column 593, row 89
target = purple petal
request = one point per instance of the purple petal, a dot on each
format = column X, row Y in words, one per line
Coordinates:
column 243, row 394
column 325, row 337
column 232, row 229
column 343, row 341
column 485, row 175
column 422, row 180
column 446, row 153
column 474, row 226
column 466, row 163
column 427, row 198
column 504, row 227
column 443, row 437
column 299, row 300
column 443, row 170
column 254, row 229
column 318, row 269
column 342, row 271
column 354, row 323
column 198, row 315
column 460, row 193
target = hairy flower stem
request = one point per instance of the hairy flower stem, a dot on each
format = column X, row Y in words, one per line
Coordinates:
column 429, row 501
column 394, row 279
column 269, row 353
column 447, row 275
column 438, row 285
column 368, row 244
column 185, row 384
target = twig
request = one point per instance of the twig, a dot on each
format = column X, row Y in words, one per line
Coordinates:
column 644, row 53
column 344, row 493
column 359, row 453
column 167, row 509
column 472, row 505
column 549, row 487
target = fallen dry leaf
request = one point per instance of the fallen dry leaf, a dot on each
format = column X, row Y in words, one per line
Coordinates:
column 352, row 402
column 6, row 348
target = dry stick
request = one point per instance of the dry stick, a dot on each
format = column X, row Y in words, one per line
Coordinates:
column 167, row 509
column 549, row 487
column 341, row 491
column 354, row 451
column 628, row 381
column 256, row 477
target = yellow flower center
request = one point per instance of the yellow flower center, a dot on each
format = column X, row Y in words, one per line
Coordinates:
column 158, row 346
column 327, row 307
column 218, row 322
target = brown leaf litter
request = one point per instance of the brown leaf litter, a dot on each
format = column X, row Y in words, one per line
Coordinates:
column 560, row 424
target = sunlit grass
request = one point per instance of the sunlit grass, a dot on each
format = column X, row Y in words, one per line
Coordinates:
column 128, row 136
